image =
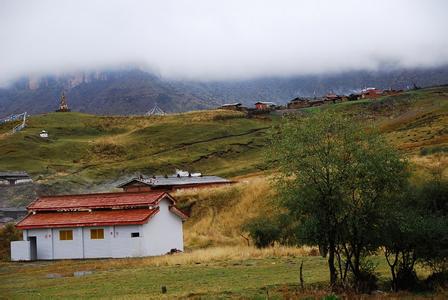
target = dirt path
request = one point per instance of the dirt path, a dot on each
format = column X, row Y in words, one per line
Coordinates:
column 183, row 145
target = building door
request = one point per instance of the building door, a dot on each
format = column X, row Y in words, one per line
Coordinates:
column 33, row 246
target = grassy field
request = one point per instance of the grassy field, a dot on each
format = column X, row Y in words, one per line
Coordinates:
column 231, row 272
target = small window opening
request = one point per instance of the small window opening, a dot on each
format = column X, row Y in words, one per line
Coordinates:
column 66, row 235
column 96, row 234
column 135, row 234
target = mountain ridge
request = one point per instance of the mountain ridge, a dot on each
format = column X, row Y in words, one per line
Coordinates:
column 134, row 91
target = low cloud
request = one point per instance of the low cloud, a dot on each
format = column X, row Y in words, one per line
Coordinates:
column 220, row 40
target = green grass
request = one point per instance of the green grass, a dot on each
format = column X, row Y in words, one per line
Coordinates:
column 86, row 150
column 221, row 279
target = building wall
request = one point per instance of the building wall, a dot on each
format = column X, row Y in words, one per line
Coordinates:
column 67, row 249
column 20, row 250
column 44, row 242
column 136, row 188
column 261, row 106
column 95, row 248
column 164, row 232
column 124, row 245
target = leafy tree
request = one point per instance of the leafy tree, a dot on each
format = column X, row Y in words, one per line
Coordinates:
column 416, row 230
column 334, row 177
column 433, row 205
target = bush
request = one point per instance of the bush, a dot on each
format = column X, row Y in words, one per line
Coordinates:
column 367, row 279
column 437, row 281
column 7, row 234
column 406, row 279
column 264, row 232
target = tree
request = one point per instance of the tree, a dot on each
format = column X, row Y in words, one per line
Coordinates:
column 263, row 232
column 416, row 230
column 334, row 176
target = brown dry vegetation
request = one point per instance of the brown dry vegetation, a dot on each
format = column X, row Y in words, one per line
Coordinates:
column 217, row 214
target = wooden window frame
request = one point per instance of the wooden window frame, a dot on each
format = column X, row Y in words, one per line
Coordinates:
column 66, row 235
column 97, row 234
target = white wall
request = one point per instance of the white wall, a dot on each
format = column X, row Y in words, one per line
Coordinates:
column 20, row 250
column 123, row 245
column 163, row 232
column 67, row 248
column 44, row 242
column 98, row 247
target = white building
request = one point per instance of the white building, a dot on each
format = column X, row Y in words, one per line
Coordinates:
column 99, row 226
column 43, row 134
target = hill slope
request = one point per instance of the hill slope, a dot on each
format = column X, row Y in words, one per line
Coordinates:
column 83, row 151
column 92, row 153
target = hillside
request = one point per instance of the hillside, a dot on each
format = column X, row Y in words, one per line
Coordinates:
column 93, row 153
column 86, row 152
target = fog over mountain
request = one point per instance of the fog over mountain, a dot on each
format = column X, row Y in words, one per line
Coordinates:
column 119, row 56
column 205, row 40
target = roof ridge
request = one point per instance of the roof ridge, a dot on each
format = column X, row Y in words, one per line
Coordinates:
column 103, row 194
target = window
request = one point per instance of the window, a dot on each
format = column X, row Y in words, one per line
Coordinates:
column 66, row 235
column 135, row 234
column 96, row 234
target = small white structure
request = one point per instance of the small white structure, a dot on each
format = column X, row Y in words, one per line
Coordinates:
column 43, row 134
column 99, row 226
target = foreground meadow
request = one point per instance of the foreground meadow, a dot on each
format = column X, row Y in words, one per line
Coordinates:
column 221, row 272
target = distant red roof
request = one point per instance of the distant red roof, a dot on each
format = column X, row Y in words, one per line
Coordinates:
column 94, row 218
column 101, row 200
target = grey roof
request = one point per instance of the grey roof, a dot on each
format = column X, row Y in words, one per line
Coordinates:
column 232, row 104
column 21, row 209
column 175, row 180
column 266, row 103
column 14, row 174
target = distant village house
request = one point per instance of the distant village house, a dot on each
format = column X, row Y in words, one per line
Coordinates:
column 298, row 103
column 10, row 214
column 14, row 178
column 232, row 106
column 265, row 105
column 181, row 180
column 371, row 93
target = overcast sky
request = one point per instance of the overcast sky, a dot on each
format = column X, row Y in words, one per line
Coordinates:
column 221, row 39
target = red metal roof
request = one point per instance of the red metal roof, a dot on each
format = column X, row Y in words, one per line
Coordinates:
column 179, row 212
column 102, row 200
column 84, row 218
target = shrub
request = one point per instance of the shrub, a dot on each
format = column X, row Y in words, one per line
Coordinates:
column 437, row 281
column 264, row 232
column 7, row 234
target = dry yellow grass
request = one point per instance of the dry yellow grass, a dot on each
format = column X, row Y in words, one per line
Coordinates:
column 218, row 214
column 430, row 165
column 225, row 253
